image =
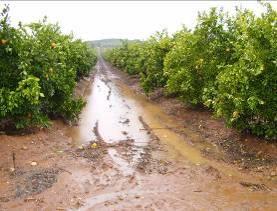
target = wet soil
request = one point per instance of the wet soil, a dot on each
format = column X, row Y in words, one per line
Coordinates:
column 131, row 152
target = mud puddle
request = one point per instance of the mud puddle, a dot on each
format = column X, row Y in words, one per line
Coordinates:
column 116, row 119
column 121, row 115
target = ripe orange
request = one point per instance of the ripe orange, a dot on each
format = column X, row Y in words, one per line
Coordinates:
column 3, row 41
column 53, row 45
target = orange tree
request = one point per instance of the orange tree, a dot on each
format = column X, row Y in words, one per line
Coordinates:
column 245, row 93
column 39, row 70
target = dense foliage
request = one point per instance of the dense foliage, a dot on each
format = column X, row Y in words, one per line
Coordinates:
column 39, row 69
column 227, row 63
column 144, row 58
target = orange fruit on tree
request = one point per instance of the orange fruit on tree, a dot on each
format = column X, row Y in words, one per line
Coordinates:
column 53, row 45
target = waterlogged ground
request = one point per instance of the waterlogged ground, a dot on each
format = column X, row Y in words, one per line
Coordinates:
column 126, row 153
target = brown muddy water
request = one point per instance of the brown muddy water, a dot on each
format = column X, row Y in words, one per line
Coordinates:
column 119, row 113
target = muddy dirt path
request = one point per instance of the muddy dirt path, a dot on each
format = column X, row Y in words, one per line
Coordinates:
column 124, row 154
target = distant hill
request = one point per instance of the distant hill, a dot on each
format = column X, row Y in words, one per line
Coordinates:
column 108, row 43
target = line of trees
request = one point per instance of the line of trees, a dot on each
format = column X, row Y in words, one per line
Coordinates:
column 39, row 69
column 227, row 63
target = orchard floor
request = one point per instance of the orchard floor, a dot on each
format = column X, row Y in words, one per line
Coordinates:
column 130, row 151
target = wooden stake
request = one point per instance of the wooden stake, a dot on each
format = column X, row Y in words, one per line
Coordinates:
column 13, row 160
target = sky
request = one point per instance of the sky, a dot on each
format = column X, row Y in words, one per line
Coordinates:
column 93, row 20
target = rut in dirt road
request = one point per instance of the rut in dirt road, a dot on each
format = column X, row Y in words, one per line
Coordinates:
column 117, row 118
